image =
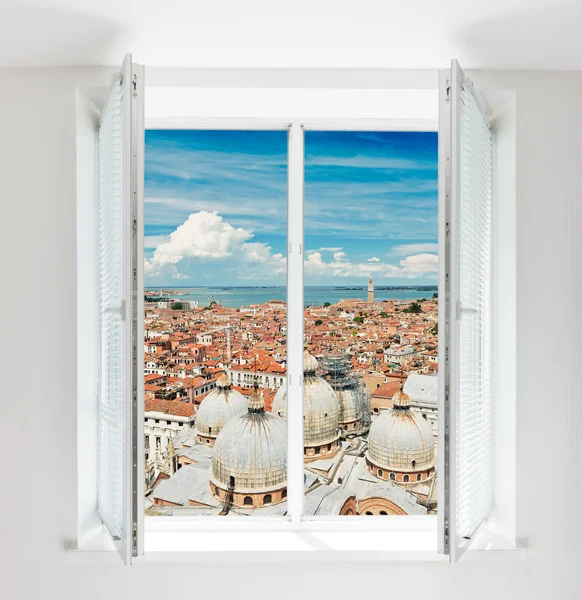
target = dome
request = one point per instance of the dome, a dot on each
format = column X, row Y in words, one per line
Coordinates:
column 401, row 399
column 250, row 453
column 221, row 405
column 279, row 406
column 400, row 440
column 350, row 409
column 321, row 411
column 310, row 363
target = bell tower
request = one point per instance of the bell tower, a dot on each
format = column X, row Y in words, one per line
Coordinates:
column 371, row 290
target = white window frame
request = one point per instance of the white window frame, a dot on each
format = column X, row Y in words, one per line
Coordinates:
column 299, row 527
column 375, row 539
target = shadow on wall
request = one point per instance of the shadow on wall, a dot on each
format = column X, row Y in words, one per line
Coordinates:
column 528, row 37
column 33, row 35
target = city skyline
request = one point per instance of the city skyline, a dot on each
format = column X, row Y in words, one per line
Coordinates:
column 216, row 208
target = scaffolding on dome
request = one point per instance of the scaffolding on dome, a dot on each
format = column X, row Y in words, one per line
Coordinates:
column 340, row 374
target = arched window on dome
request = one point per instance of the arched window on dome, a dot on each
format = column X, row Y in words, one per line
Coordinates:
column 267, row 499
column 419, row 477
column 248, row 501
column 380, row 473
column 383, row 512
column 392, row 477
column 406, row 479
column 413, row 464
column 284, row 494
column 369, row 513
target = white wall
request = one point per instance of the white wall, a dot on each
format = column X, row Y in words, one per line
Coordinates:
column 38, row 516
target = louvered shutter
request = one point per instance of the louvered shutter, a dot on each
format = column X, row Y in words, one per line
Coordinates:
column 468, row 260
column 118, row 167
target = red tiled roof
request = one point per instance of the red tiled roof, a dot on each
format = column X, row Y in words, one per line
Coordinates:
column 170, row 407
column 388, row 389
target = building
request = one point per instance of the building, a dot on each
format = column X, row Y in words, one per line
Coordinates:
column 424, row 393
column 382, row 395
column 162, row 421
column 371, row 290
column 351, row 392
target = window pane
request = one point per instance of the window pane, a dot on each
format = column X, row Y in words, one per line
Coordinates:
column 371, row 306
column 215, row 322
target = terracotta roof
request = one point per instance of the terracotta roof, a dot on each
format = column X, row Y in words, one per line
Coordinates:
column 170, row 407
column 388, row 389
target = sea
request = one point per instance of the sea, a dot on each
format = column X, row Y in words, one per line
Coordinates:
column 235, row 297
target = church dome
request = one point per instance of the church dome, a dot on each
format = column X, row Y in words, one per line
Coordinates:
column 321, row 411
column 220, row 405
column 250, row 453
column 279, row 406
column 400, row 440
column 350, row 408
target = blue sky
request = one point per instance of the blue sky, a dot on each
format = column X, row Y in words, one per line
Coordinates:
column 216, row 207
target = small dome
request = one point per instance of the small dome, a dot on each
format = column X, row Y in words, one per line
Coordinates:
column 321, row 411
column 252, row 449
column 401, row 399
column 400, row 440
column 350, row 407
column 310, row 363
column 223, row 381
column 221, row 405
column 279, row 406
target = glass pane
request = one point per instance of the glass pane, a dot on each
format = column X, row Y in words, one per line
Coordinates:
column 371, row 306
column 215, row 322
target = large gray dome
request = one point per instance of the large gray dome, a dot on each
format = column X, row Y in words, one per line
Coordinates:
column 321, row 411
column 400, row 440
column 252, row 448
column 221, row 405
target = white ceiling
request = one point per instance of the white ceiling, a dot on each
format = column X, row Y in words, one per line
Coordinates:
column 528, row 34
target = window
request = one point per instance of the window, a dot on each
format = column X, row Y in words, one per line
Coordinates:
column 359, row 276
column 207, row 242
column 354, row 332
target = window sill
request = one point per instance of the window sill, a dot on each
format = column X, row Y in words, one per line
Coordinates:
column 288, row 546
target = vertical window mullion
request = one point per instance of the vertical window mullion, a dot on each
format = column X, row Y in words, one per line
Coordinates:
column 295, row 322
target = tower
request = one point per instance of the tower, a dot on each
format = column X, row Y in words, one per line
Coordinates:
column 371, row 290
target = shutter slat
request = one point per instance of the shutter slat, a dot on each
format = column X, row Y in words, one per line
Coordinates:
column 111, row 409
column 474, row 419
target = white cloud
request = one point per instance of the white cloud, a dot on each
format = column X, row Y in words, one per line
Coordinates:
column 420, row 264
column 331, row 249
column 202, row 235
column 405, row 249
column 153, row 241
column 207, row 235
column 412, row 266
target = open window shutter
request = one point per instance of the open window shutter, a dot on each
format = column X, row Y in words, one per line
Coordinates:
column 468, row 187
column 120, row 156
